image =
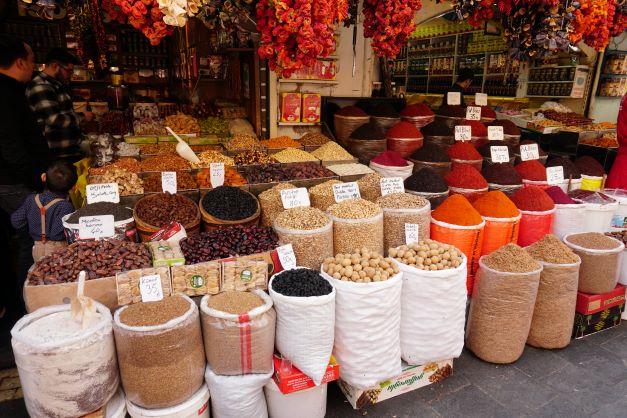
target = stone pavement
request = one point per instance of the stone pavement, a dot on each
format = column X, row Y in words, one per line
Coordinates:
column 586, row 379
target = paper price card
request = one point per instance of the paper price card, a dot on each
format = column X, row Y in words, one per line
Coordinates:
column 346, row 191
column 463, row 133
column 499, row 154
column 529, row 152
column 287, row 256
column 495, row 133
column 555, row 175
column 392, row 185
column 216, row 174
column 481, row 99
column 168, row 182
column 454, row 98
column 95, row 227
column 293, row 198
column 411, row 233
column 150, row 288
column 105, row 192
column 473, row 113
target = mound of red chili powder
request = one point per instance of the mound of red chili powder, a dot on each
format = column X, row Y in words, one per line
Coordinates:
column 462, row 150
column 403, row 130
column 390, row 159
column 418, row 109
column 465, row 177
column 477, row 129
column 531, row 170
column 532, row 199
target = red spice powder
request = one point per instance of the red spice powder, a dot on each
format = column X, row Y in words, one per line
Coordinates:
column 462, row 150
column 487, row 112
column 532, row 199
column 351, row 111
column 466, row 177
column 558, row 196
column 477, row 128
column 403, row 130
column 531, row 170
column 418, row 109
column 390, row 159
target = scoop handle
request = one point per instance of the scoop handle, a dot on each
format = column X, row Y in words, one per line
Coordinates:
column 178, row 138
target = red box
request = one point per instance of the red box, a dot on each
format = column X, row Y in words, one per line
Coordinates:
column 295, row 380
column 589, row 304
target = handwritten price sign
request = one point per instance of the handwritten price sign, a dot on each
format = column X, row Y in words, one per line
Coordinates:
column 473, row 113
column 216, row 174
column 499, row 154
column 411, row 233
column 495, row 133
column 529, row 152
column 454, row 98
column 96, row 227
column 105, row 192
column 481, row 99
column 392, row 185
column 293, row 198
column 463, row 133
column 168, row 182
column 555, row 175
column 346, row 191
column 150, row 288
column 287, row 256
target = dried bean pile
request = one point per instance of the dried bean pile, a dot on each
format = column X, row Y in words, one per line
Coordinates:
column 428, row 255
column 154, row 313
column 511, row 258
column 271, row 203
column 307, row 171
column 322, row 196
column 162, row 208
column 229, row 203
column 96, row 258
column 593, row 241
column 184, row 181
column 301, row 283
column 331, row 151
column 350, row 169
column 119, row 212
column 370, row 186
column 293, row 155
column 551, row 249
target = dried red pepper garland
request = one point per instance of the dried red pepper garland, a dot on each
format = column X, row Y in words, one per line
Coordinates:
column 145, row 16
column 593, row 22
column 389, row 23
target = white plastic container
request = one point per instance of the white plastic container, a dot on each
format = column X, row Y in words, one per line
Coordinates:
column 116, row 408
column 195, row 407
column 575, row 184
column 598, row 218
column 569, row 219
column 619, row 221
column 390, row 171
column 308, row 403
column 622, row 274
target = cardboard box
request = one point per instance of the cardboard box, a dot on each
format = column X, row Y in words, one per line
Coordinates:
column 411, row 378
column 600, row 321
column 589, row 304
column 293, row 380
column 270, row 257
column 101, row 290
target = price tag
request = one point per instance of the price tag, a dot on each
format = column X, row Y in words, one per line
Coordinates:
column 168, row 182
column 495, row 133
column 481, row 99
column 473, row 113
column 555, row 175
column 411, row 233
column 217, row 174
column 463, row 133
column 499, row 154
column 529, row 152
column 293, row 198
column 287, row 256
column 392, row 185
column 150, row 288
column 95, row 227
column 105, row 192
column 454, row 98
column 346, row 191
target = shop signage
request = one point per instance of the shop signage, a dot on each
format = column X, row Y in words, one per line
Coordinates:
column 463, row 133
column 473, row 113
column 481, row 99
column 217, row 174
column 529, row 152
column 499, row 154
column 495, row 133
column 287, row 256
column 454, row 98
column 555, row 175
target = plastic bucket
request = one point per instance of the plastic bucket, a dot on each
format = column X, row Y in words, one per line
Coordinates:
column 619, row 220
column 592, row 183
column 569, row 219
column 575, row 184
column 308, row 403
column 534, row 226
column 195, row 407
column 116, row 407
column 598, row 218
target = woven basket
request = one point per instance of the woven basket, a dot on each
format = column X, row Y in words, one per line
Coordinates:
column 442, row 168
column 508, row 189
column 404, row 146
column 384, row 123
column 512, row 140
column 145, row 230
column 445, row 141
column 434, row 198
column 211, row 223
column 345, row 125
column 365, row 150
column 419, row 121
column 451, row 121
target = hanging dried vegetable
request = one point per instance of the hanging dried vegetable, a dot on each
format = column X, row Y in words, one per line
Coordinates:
column 86, row 23
column 389, row 23
column 145, row 16
column 113, row 12
column 593, row 23
column 476, row 12
column 226, row 15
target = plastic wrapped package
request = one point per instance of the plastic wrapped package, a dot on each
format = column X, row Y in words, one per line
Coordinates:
column 238, row 396
column 568, row 219
column 311, row 247
column 433, row 313
column 65, row 370
column 102, row 148
column 499, row 232
column 122, row 230
column 394, row 221
column 554, row 311
column 161, row 365
column 230, row 350
column 534, row 226
column 305, row 329
column 500, row 314
column 367, row 330
column 241, row 126
column 352, row 234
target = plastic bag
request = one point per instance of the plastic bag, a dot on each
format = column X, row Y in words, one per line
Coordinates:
column 241, row 127
column 468, row 239
column 238, row 396
column 311, row 247
column 534, row 226
column 367, row 330
column 394, row 221
column 239, row 344
column 568, row 219
column 353, row 234
column 305, row 329
column 433, row 313
column 389, row 171
column 499, row 232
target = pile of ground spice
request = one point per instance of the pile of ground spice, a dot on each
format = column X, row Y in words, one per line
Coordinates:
column 351, row 111
column 426, row 181
column 455, row 111
column 496, row 204
column 485, row 151
column 509, row 127
column 541, row 152
column 532, row 199
column 551, row 249
column 368, row 132
column 457, row 210
column 417, row 109
column 146, row 314
column 488, row 112
column 594, row 241
column 437, row 128
column 384, row 110
column 558, row 196
column 465, row 177
column 477, row 129
column 589, row 166
column 462, row 150
column 390, row 159
column 403, row 130
column 570, row 169
column 531, row 170
column 503, row 174
column 511, row 258
column 432, row 153
column 235, row 302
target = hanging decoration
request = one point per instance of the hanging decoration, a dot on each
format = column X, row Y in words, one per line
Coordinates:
column 145, row 16
column 85, row 21
column 593, row 23
column 475, row 12
column 176, row 12
column 620, row 19
column 389, row 23
column 226, row 15
column 113, row 12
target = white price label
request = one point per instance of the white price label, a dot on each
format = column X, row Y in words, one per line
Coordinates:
column 150, row 288
column 392, row 185
column 495, row 133
column 499, row 154
column 217, row 174
column 481, row 99
column 105, row 192
column 95, row 227
column 555, row 175
column 454, row 98
column 412, row 232
column 168, row 182
column 463, row 133
column 346, row 191
column 529, row 152
column 293, row 198
column 473, row 113
column 287, row 256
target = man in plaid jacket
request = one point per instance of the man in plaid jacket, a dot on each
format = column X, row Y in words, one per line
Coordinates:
column 49, row 99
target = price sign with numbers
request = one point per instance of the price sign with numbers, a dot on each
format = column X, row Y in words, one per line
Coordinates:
column 96, row 227
column 287, row 256
column 392, row 185
column 412, row 232
column 481, row 99
column 168, row 182
column 529, row 152
column 495, row 133
column 555, row 175
column 473, row 113
column 150, row 288
column 346, row 191
column 293, row 198
column 216, row 174
column 454, row 98
column 463, row 133
column 499, row 154
column 105, row 192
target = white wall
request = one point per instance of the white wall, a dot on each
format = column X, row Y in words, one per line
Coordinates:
column 605, row 109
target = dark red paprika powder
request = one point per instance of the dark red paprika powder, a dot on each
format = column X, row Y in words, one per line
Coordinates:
column 532, row 199
column 390, row 159
column 531, row 170
column 403, row 130
column 462, row 150
column 417, row 109
column 558, row 196
column 351, row 111
column 477, row 129
column 466, row 177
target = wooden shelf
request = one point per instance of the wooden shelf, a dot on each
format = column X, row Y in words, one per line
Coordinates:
column 299, row 123
column 288, row 81
column 556, row 97
column 550, row 82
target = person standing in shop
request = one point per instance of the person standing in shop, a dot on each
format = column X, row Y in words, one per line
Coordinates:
column 618, row 174
column 464, row 80
column 48, row 97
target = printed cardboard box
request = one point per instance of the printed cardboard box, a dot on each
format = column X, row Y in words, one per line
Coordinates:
column 411, row 378
column 101, row 290
column 589, row 303
column 290, row 379
column 597, row 322
column 311, row 108
column 290, row 107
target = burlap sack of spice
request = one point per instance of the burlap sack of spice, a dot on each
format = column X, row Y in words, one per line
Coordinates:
column 239, row 344
column 500, row 314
